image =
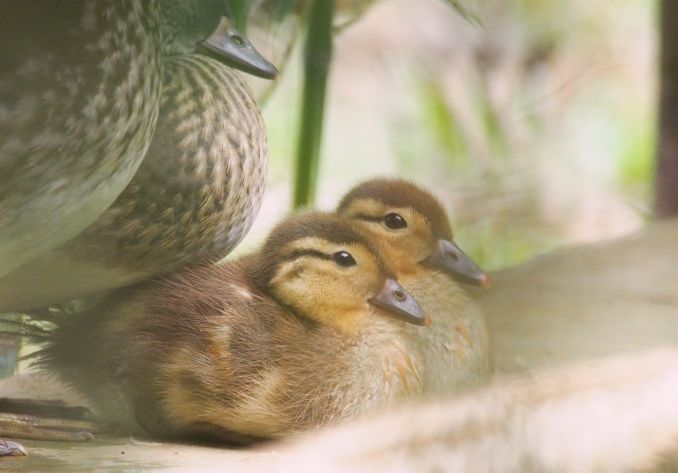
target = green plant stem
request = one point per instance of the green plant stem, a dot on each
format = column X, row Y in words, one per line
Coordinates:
column 317, row 59
column 239, row 11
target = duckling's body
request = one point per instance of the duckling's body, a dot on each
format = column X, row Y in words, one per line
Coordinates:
column 456, row 347
column 193, row 198
column 411, row 230
column 276, row 343
column 219, row 352
column 79, row 97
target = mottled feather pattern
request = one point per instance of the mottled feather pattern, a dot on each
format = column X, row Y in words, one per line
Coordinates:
column 200, row 184
column 205, row 172
column 92, row 108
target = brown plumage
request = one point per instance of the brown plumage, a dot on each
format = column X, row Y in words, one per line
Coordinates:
column 76, row 115
column 193, row 198
column 200, row 184
column 292, row 337
column 412, row 231
column 80, row 90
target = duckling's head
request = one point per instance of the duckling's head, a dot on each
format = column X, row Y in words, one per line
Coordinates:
column 205, row 26
column 411, row 228
column 322, row 269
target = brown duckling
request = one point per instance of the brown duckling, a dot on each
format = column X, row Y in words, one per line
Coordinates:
column 300, row 334
column 412, row 231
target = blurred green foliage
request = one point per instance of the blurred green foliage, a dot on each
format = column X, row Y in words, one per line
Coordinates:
column 636, row 161
column 317, row 58
column 442, row 124
column 530, row 124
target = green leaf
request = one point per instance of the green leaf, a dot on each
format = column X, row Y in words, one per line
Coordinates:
column 317, row 58
column 239, row 12
column 461, row 6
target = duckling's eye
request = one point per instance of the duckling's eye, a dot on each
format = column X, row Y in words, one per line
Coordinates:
column 344, row 258
column 238, row 40
column 395, row 221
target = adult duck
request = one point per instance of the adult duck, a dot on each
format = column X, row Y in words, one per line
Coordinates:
column 79, row 97
column 194, row 196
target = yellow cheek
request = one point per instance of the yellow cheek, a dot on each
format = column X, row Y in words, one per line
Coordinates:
column 400, row 252
column 319, row 290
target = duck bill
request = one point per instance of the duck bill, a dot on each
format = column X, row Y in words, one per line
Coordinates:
column 232, row 48
column 396, row 302
column 449, row 258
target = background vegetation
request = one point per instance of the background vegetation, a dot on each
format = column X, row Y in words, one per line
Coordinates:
column 534, row 121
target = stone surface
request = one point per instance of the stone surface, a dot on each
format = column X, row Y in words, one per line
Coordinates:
column 585, row 302
column 125, row 455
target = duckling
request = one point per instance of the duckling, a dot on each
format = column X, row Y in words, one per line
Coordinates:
column 412, row 231
column 303, row 333
column 194, row 196
column 79, row 98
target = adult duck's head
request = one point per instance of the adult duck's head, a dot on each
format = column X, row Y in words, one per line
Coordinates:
column 323, row 269
column 411, row 227
column 205, row 26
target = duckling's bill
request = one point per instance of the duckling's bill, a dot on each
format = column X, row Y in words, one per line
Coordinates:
column 396, row 302
column 451, row 259
column 233, row 48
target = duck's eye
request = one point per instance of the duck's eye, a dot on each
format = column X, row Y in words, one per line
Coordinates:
column 395, row 221
column 238, row 40
column 344, row 258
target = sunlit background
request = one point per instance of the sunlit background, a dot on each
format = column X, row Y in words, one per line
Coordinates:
column 534, row 125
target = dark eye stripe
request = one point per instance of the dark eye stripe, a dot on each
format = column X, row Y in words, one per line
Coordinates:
column 312, row 253
column 369, row 218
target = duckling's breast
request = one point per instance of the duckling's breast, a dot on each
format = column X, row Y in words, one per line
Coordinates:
column 329, row 375
column 454, row 352
column 79, row 97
